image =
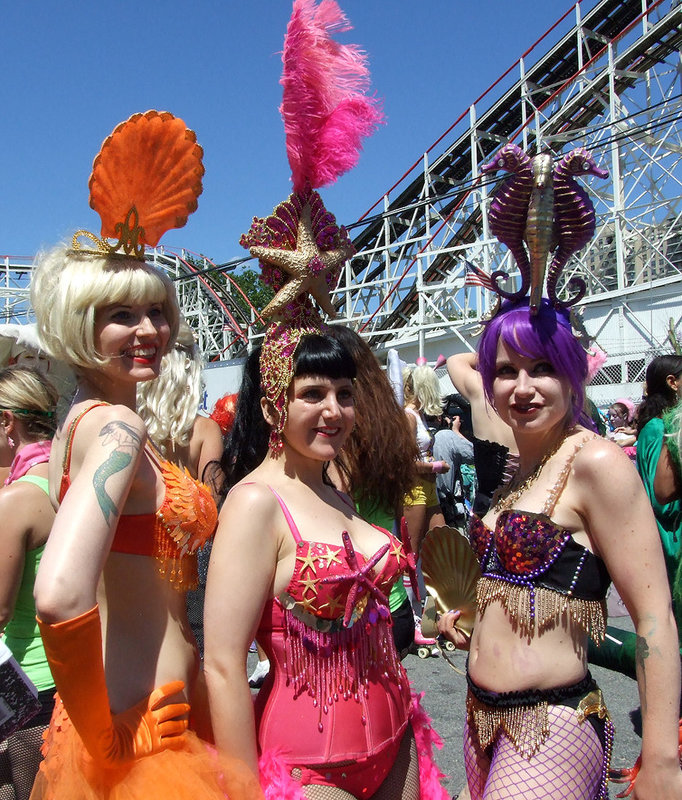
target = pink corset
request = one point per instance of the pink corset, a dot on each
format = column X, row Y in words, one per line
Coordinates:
column 336, row 688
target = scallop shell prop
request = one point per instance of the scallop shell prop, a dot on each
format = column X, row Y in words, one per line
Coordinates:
column 151, row 163
column 450, row 573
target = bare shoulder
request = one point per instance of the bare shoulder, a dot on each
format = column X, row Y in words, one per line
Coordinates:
column 19, row 501
column 250, row 500
column 601, row 464
column 205, row 428
column 109, row 419
column 250, row 518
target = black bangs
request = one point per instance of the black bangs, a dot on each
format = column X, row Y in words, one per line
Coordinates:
column 317, row 354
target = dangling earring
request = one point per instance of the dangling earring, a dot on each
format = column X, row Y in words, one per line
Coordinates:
column 10, row 442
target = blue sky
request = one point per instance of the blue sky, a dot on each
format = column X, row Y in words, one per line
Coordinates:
column 73, row 70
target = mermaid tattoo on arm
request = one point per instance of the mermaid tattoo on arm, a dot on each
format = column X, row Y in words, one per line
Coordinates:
column 127, row 445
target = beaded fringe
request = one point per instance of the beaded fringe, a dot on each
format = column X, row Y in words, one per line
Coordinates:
column 527, row 604
column 182, row 573
column 526, row 725
column 330, row 665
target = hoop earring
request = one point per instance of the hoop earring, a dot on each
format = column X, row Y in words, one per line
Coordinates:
column 10, row 442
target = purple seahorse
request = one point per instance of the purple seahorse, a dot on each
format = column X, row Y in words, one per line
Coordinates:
column 508, row 209
column 539, row 232
column 574, row 219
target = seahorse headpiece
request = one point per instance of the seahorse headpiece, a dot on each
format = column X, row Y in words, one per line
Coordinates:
column 300, row 247
column 145, row 180
column 540, row 212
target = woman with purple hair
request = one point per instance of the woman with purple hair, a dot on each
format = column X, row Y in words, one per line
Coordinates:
column 572, row 517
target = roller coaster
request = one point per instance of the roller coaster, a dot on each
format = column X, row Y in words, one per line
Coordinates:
column 608, row 78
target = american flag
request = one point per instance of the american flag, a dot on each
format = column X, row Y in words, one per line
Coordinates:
column 475, row 276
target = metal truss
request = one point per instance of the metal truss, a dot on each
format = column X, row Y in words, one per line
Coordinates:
column 210, row 300
column 614, row 85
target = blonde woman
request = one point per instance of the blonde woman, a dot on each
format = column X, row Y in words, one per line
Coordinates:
column 169, row 406
column 110, row 593
column 421, row 508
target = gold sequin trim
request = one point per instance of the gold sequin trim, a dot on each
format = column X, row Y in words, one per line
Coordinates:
column 550, row 606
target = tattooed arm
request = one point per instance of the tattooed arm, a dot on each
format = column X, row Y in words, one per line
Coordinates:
column 106, row 454
column 621, row 527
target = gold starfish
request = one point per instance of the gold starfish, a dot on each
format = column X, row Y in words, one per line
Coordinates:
column 333, row 605
column 297, row 264
column 308, row 604
column 309, row 585
column 308, row 561
column 332, row 557
column 398, row 552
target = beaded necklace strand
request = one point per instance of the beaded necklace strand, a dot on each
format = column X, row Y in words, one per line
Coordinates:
column 511, row 491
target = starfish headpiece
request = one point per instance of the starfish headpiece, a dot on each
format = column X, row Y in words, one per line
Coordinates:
column 300, row 247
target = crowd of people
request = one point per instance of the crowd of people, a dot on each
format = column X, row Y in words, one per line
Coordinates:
column 314, row 493
column 304, row 468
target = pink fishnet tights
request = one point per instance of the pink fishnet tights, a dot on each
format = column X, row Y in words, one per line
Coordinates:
column 566, row 767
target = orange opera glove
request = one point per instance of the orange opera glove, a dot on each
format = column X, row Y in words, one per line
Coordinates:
column 74, row 651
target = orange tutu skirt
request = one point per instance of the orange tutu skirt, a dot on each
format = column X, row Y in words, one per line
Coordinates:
column 192, row 772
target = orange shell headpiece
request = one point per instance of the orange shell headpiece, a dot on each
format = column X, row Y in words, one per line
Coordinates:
column 145, row 180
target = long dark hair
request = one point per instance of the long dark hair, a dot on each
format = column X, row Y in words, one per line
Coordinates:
column 660, row 396
column 378, row 459
column 247, row 443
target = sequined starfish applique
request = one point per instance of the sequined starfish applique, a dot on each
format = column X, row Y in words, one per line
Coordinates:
column 398, row 552
column 307, row 265
column 358, row 577
column 309, row 585
column 334, row 605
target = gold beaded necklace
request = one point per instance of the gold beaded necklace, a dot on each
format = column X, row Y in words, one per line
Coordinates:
column 510, row 492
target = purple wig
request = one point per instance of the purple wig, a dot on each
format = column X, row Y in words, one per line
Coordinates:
column 547, row 335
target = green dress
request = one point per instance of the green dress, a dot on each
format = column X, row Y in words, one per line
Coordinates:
column 668, row 515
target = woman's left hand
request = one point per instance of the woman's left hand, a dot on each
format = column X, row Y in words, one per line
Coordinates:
column 446, row 627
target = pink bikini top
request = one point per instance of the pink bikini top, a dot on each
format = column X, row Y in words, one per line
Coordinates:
column 325, row 575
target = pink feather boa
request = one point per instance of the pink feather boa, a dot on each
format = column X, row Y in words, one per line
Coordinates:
column 326, row 114
column 278, row 784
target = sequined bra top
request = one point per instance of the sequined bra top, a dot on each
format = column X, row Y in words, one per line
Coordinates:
column 537, row 570
column 331, row 582
column 185, row 521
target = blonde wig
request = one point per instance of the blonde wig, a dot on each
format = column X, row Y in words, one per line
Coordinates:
column 169, row 404
column 31, row 398
column 68, row 288
column 421, row 388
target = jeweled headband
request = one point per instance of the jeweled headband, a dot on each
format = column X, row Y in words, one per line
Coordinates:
column 300, row 247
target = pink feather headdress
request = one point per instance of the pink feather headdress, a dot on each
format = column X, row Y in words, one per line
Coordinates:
column 300, row 247
column 324, row 107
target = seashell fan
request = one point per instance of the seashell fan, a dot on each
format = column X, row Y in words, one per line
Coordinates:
column 451, row 572
column 145, row 180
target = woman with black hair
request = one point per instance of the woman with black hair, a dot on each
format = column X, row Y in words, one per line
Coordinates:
column 307, row 577
column 662, row 393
